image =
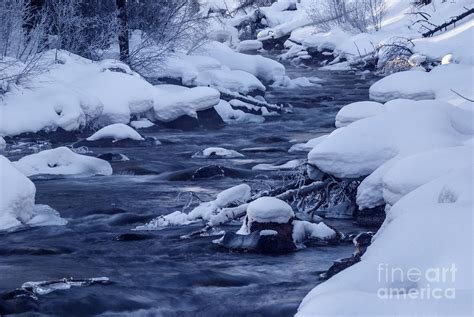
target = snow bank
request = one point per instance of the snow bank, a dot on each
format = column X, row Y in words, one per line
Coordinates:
column 117, row 132
column 249, row 46
column 439, row 215
column 62, row 161
column 217, row 152
column 233, row 80
column 3, row 144
column 420, row 85
column 263, row 68
column 143, row 123
column 183, row 101
column 17, row 196
column 406, row 127
column 419, row 169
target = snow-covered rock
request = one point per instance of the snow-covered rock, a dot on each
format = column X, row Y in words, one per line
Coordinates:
column 143, row 123
column 304, row 230
column 17, row 196
column 217, row 152
column 356, row 111
column 116, row 132
column 269, row 209
column 263, row 68
column 62, row 161
column 183, row 101
column 233, row 80
column 231, row 115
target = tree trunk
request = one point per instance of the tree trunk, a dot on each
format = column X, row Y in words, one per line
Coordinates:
column 123, row 30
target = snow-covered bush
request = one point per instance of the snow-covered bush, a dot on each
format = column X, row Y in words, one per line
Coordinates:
column 360, row 15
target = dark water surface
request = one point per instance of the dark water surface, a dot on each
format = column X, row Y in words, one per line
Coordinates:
column 165, row 275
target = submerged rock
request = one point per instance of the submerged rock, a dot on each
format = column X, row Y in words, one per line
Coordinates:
column 133, row 237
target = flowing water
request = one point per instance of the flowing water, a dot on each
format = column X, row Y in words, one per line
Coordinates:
column 165, row 275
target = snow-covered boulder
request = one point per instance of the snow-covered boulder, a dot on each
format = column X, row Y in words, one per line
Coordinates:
column 304, row 230
column 261, row 67
column 183, row 101
column 17, row 196
column 217, row 152
column 116, row 132
column 62, row 161
column 290, row 165
column 143, row 123
column 231, row 115
column 269, row 209
column 356, row 111
column 224, row 79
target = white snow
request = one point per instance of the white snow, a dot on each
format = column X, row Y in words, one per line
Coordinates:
column 304, row 230
column 406, row 127
column 17, row 196
column 249, row 45
column 290, row 165
column 308, row 146
column 356, row 111
column 62, row 161
column 183, row 101
column 116, row 132
column 3, row 144
column 217, row 152
column 427, row 231
column 269, row 209
column 261, row 67
column 231, row 115
column 142, row 123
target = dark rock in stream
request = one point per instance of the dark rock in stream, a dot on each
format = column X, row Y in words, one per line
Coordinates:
column 255, row 242
column 361, row 242
column 371, row 218
column 133, row 237
column 210, row 171
column 208, row 118
column 113, row 157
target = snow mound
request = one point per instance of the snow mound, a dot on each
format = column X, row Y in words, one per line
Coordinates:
column 439, row 215
column 356, row 111
column 143, row 123
column 117, row 132
column 419, row 169
column 233, row 80
column 405, row 128
column 261, row 67
column 62, row 161
column 269, row 209
column 183, row 101
column 418, row 85
column 17, row 197
column 217, row 152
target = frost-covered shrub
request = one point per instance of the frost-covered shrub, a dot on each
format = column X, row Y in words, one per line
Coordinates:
column 394, row 55
column 360, row 15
